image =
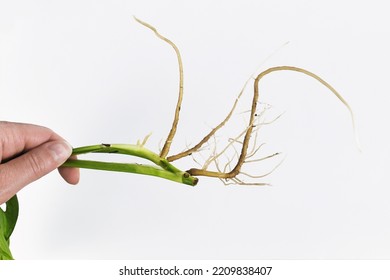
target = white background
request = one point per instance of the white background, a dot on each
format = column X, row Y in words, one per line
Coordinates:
column 87, row 70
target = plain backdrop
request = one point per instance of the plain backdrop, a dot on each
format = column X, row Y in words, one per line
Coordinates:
column 88, row 71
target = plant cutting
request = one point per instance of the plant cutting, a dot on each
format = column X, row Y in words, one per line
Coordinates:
column 245, row 149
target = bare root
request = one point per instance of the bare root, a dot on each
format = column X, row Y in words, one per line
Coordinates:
column 244, row 156
column 228, row 174
column 172, row 132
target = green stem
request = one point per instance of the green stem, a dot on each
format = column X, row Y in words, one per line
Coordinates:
column 127, row 149
column 164, row 169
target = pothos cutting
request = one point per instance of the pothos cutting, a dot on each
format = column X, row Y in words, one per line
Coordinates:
column 245, row 145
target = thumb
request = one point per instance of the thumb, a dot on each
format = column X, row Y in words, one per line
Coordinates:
column 34, row 164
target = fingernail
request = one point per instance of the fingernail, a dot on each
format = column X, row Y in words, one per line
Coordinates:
column 61, row 151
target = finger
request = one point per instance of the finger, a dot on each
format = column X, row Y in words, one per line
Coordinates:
column 25, row 169
column 70, row 174
column 17, row 138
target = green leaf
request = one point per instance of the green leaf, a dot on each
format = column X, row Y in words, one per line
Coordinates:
column 11, row 213
column 5, row 253
column 7, row 224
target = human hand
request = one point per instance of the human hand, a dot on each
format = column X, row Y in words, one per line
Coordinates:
column 28, row 152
